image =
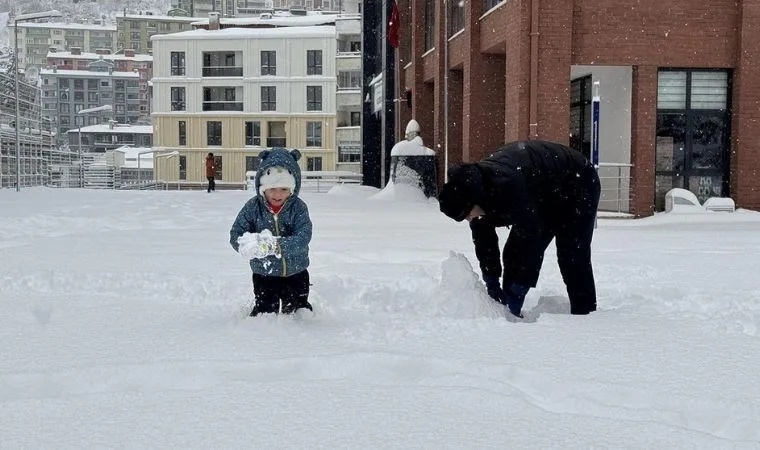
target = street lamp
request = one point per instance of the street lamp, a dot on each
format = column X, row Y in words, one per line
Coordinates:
column 84, row 112
column 168, row 156
column 139, row 173
column 16, row 20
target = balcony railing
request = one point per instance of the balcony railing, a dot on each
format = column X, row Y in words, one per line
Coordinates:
column 222, row 106
column 222, row 71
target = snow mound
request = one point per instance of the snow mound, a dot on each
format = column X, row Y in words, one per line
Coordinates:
column 400, row 192
column 353, row 190
column 457, row 294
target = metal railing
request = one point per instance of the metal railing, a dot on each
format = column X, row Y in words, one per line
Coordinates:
column 222, row 71
column 222, row 106
column 616, row 187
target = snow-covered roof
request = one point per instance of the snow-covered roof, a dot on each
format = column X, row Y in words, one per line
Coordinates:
column 280, row 19
column 248, row 33
column 90, row 55
column 105, row 128
column 132, row 153
column 88, row 73
column 159, row 18
column 64, row 25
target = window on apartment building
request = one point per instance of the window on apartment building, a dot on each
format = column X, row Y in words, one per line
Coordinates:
column 182, row 129
column 355, row 46
column 268, row 62
column 135, row 35
column 63, row 83
column 313, row 62
column 252, row 163
column 177, row 63
column 93, row 120
column 178, row 98
column 218, row 166
column 349, row 154
column 79, row 84
column 119, row 84
column 314, row 163
column 92, row 96
column 313, row 134
column 430, row 24
column 253, row 133
column 213, row 132
column 79, row 96
column 349, row 80
column 63, row 107
column 313, row 98
column 276, row 134
column 268, row 98
column 356, row 119
column 182, row 167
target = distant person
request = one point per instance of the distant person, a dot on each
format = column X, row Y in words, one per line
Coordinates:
column 543, row 190
column 210, row 172
column 273, row 231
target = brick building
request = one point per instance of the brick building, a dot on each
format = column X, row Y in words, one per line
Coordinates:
column 679, row 83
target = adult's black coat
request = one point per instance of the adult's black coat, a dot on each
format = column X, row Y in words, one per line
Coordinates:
column 542, row 190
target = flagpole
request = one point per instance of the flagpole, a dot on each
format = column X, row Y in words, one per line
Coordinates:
column 384, row 49
column 445, row 91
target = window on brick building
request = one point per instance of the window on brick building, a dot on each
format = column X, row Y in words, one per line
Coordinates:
column 693, row 133
column 429, row 24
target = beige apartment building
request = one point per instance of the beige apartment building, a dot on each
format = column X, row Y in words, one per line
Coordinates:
column 236, row 92
column 135, row 30
column 35, row 40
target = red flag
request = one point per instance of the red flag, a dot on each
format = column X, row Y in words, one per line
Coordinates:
column 393, row 25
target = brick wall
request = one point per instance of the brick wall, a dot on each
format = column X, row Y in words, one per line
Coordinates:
column 643, row 124
column 745, row 158
column 674, row 33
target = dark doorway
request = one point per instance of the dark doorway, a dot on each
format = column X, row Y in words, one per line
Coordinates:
column 580, row 115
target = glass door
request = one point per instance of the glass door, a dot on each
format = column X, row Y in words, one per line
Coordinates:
column 693, row 138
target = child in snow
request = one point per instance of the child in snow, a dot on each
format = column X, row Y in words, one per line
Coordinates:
column 273, row 231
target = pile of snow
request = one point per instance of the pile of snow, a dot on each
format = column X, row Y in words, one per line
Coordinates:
column 353, row 190
column 401, row 192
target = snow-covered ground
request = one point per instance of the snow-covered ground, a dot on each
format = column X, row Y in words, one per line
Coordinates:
column 121, row 327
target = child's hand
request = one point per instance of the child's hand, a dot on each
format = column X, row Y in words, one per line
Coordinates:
column 258, row 245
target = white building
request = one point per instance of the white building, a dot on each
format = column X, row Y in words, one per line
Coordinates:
column 348, row 67
column 37, row 39
column 237, row 91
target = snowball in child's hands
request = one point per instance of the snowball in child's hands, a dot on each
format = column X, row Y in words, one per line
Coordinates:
column 257, row 245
